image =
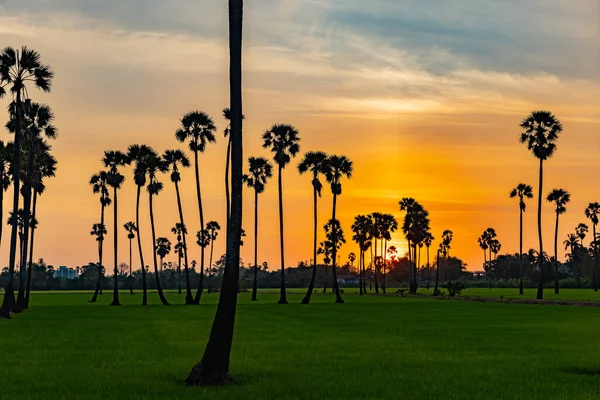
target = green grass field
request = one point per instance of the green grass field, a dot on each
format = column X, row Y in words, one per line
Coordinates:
column 372, row 347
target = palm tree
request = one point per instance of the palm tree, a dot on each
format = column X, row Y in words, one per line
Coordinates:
column 436, row 291
column 202, row 240
column 325, row 250
column 428, row 241
column 163, row 248
column 213, row 368
column 483, row 244
column 99, row 230
column 592, row 212
column 336, row 168
column 560, row 198
column 362, row 236
column 540, row 132
column 415, row 228
column 571, row 244
column 581, row 230
column 175, row 158
column 179, row 230
column 259, row 172
column 131, row 229
column 44, row 167
column 315, row 162
column 154, row 165
column 139, row 155
column 199, row 129
column 283, row 141
column 351, row 259
column 522, row 191
column 226, row 131
column 376, row 226
column 16, row 69
column 7, row 154
column 213, row 228
column 389, row 226
column 99, row 184
column 113, row 160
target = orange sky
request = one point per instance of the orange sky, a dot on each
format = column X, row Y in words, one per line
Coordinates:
column 425, row 106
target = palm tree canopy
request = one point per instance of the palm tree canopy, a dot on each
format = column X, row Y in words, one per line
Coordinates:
column 316, row 163
column 284, row 142
column 99, row 183
column 140, row 155
column 98, row 230
column 131, row 229
column 7, row 155
column 173, row 159
column 179, row 229
column 428, row 239
column 36, row 121
column 571, row 242
column 592, row 211
column 213, row 228
column 203, row 238
column 259, row 172
column 163, row 247
column 199, row 128
column 18, row 67
column 522, row 191
column 560, row 198
column 336, row 168
column 362, row 228
column 416, row 221
column 540, row 132
column 581, row 230
column 154, row 164
column 330, row 226
column 113, row 160
column 227, row 115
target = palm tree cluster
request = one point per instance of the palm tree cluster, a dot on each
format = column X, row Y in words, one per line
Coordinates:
column 26, row 162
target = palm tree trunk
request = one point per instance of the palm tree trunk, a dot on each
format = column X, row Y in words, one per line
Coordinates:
column 213, row 369
column 200, row 211
column 384, row 259
column 361, row 258
column 338, row 296
column 100, row 253
column 415, row 276
column 428, row 269
column 376, row 269
column 437, row 275
column 130, row 266
column 8, row 303
column 210, row 266
column 161, row 295
column 282, row 292
column 556, row 291
column 29, row 270
column 521, row 252
column 595, row 260
column 115, row 301
column 540, row 292
column 412, row 289
column 227, row 163
column 1, row 212
column 311, row 285
column 188, row 287
column 21, row 302
column 139, row 240
column 179, row 272
column 255, row 282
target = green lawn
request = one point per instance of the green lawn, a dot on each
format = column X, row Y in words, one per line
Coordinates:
column 372, row 347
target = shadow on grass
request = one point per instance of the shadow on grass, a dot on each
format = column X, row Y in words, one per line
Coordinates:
column 587, row 371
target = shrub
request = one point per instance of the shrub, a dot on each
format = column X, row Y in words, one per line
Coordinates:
column 455, row 288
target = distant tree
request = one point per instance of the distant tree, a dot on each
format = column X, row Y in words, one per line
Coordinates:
column 315, row 163
column 581, row 231
column 199, row 129
column 388, row 226
column 99, row 184
column 522, row 191
column 351, row 259
column 180, row 248
column 540, row 132
column 260, row 170
column 163, row 248
column 362, row 237
column 213, row 228
column 284, row 143
column 203, row 240
column 415, row 228
column 131, row 229
column 592, row 212
column 428, row 241
column 560, row 198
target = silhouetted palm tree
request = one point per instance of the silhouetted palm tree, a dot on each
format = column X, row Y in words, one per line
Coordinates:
column 362, row 236
column 283, row 141
column 213, row 368
column 202, row 240
column 313, row 162
column 131, row 229
column 389, row 225
column 7, row 154
column 581, row 230
column 571, row 244
column 112, row 161
column 415, row 228
column 199, row 129
column 325, row 250
column 98, row 231
column 376, row 226
column 179, row 230
column 428, row 241
column 592, row 212
column 99, row 184
column 213, row 229
column 260, row 171
column 175, row 158
column 163, row 248
column 155, row 165
column 227, row 116
column 560, row 198
column 522, row 191
column 16, row 69
column 139, row 155
column 540, row 132
column 336, row 168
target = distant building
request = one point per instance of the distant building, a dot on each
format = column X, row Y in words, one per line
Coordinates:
column 65, row 273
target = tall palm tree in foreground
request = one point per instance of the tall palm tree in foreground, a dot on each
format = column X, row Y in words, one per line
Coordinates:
column 140, row 155
column 99, row 184
column 213, row 229
column 592, row 212
column 560, row 198
column 540, row 132
column 131, row 229
column 112, row 161
column 154, row 166
column 199, row 129
column 284, row 143
column 226, row 131
column 336, row 168
column 259, row 172
column 213, row 368
column 176, row 158
column 7, row 154
column 313, row 162
column 17, row 67
column 522, row 191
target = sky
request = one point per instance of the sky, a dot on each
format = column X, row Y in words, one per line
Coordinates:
column 424, row 96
